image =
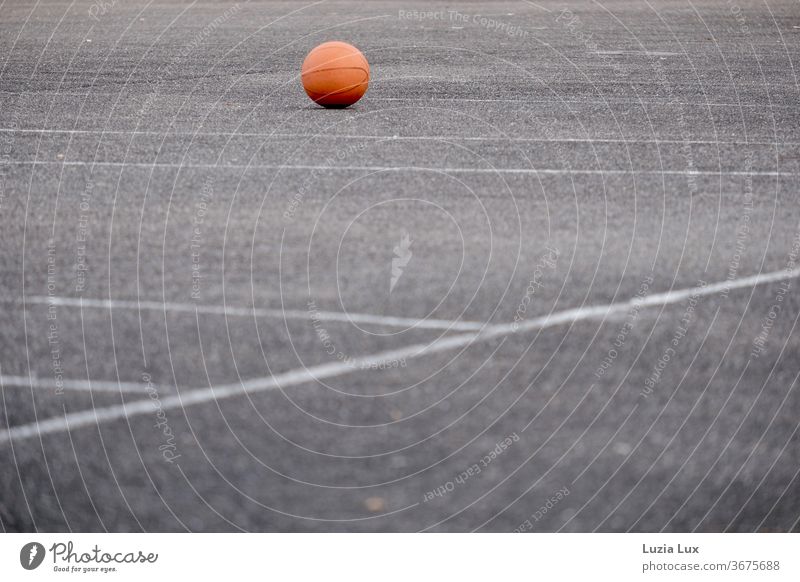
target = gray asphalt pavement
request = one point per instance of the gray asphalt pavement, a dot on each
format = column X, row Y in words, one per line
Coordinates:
column 542, row 277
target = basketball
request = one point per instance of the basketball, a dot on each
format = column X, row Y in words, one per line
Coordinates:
column 335, row 74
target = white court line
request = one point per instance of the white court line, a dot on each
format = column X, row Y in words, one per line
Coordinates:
column 606, row 102
column 309, row 136
column 535, row 171
column 386, row 320
column 75, row 420
column 657, row 54
column 80, row 385
column 537, row 6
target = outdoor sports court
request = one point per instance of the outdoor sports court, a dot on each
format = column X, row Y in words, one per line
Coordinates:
column 543, row 276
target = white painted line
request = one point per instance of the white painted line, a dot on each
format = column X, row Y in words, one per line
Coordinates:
column 366, row 318
column 534, row 171
column 333, row 136
column 79, row 385
column 650, row 54
column 606, row 102
column 96, row 416
column 537, row 5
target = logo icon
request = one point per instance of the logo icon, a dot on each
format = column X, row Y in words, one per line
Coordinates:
column 402, row 256
column 31, row 555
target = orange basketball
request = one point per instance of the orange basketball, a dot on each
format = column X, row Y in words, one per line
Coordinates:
column 335, row 74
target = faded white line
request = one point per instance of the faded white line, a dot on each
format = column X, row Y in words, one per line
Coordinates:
column 606, row 102
column 646, row 54
column 537, row 6
column 334, row 136
column 315, row 168
column 80, row 385
column 386, row 320
column 96, row 416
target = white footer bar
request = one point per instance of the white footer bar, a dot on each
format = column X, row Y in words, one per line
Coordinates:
column 402, row 557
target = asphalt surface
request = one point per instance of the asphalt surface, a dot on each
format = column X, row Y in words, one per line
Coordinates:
column 224, row 308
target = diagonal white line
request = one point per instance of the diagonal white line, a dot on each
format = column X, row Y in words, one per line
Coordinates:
column 80, row 385
column 387, row 320
column 97, row 416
